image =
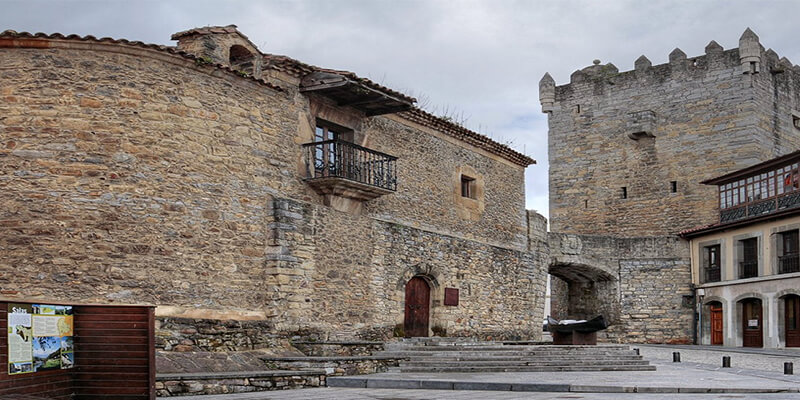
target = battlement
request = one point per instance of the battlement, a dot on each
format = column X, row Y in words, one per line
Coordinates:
column 750, row 57
column 627, row 149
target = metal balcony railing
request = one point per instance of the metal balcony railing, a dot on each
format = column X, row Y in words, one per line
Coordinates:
column 788, row 263
column 340, row 159
column 748, row 269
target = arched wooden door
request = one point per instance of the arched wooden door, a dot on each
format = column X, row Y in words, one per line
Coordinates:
column 792, row 322
column 716, row 323
column 752, row 323
column 418, row 300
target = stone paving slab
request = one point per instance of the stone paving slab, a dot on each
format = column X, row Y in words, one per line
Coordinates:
column 420, row 394
column 670, row 378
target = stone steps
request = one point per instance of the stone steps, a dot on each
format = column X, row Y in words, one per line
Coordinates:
column 478, row 363
column 468, row 358
column 452, row 355
column 523, row 368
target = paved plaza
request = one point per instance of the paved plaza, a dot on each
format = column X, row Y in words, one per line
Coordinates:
column 755, row 374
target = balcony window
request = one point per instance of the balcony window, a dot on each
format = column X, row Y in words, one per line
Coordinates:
column 759, row 194
column 748, row 264
column 788, row 260
column 711, row 264
column 337, row 166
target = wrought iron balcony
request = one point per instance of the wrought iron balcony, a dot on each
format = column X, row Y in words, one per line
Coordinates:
column 748, row 269
column 349, row 170
column 713, row 275
column 788, row 263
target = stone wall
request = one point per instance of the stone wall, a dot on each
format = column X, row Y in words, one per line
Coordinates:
column 559, row 298
column 132, row 174
column 351, row 274
column 638, row 284
column 685, row 121
column 657, row 300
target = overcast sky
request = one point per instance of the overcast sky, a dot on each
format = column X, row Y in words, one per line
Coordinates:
column 476, row 60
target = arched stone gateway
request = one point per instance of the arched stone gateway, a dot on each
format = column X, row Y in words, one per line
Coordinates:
column 584, row 292
column 640, row 285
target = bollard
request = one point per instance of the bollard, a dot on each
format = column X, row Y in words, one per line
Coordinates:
column 726, row 361
column 676, row 356
column 788, row 368
column 636, row 349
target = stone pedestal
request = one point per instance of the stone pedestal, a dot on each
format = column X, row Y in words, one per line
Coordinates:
column 575, row 338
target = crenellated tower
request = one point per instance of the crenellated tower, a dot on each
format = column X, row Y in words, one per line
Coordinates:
column 628, row 149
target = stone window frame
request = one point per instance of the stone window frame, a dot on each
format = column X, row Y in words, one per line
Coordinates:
column 776, row 242
column 468, row 187
column 738, row 252
column 469, row 208
column 796, row 119
column 723, row 271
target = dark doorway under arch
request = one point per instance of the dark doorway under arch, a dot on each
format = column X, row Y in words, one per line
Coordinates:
column 715, row 319
column 417, row 308
column 752, row 323
column 792, row 320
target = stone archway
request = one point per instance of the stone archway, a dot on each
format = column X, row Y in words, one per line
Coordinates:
column 581, row 291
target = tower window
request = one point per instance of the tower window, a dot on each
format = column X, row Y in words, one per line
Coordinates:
column 673, row 186
column 624, row 192
column 468, row 187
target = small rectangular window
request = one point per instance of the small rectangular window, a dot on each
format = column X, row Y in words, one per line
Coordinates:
column 673, row 186
column 624, row 193
column 468, row 187
column 748, row 265
column 711, row 264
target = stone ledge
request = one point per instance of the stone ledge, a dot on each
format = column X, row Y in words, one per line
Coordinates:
column 206, row 383
column 343, row 343
column 236, row 374
column 333, row 359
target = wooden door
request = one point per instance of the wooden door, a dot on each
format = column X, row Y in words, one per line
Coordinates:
column 716, row 324
column 792, row 323
column 418, row 297
column 752, row 324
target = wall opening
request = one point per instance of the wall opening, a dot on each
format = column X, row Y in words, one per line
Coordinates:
column 241, row 60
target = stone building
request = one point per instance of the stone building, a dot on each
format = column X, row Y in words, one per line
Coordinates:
column 627, row 153
column 746, row 266
column 224, row 184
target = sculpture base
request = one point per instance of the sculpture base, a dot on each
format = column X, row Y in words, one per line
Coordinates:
column 575, row 338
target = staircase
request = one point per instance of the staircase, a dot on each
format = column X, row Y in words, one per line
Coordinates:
column 465, row 355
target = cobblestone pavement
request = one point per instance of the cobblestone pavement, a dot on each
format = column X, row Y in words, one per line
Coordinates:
column 756, row 359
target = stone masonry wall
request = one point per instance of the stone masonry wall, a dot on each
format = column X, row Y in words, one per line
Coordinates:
column 638, row 284
column 133, row 175
column 128, row 178
column 347, row 280
column 700, row 116
column 657, row 300
column 777, row 99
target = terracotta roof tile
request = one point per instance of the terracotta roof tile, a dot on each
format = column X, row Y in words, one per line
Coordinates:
column 459, row 132
column 10, row 34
